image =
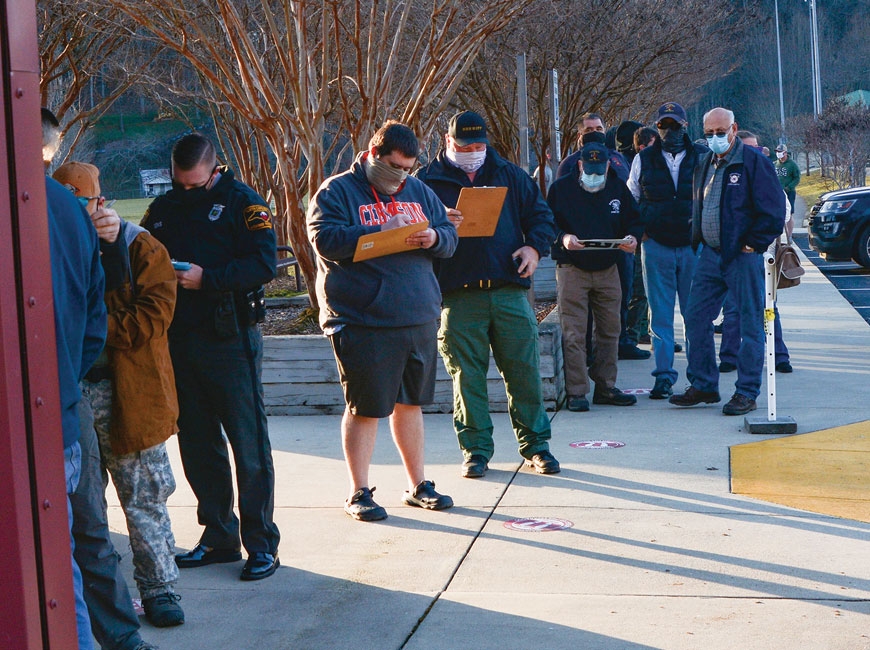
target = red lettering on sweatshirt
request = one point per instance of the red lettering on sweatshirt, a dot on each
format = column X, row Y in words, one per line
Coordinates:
column 375, row 214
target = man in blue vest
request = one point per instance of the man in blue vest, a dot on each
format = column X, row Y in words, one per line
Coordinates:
column 661, row 181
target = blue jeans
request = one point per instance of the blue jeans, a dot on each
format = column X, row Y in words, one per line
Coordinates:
column 625, row 266
column 72, row 467
column 731, row 334
column 744, row 278
column 667, row 276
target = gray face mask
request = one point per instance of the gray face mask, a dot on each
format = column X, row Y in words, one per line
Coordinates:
column 383, row 177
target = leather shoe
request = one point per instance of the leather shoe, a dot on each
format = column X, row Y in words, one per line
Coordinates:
column 784, row 366
column 632, row 352
column 612, row 396
column 725, row 366
column 694, row 396
column 739, row 405
column 203, row 555
column 475, row 466
column 544, row 463
column 259, row 566
column 578, row 403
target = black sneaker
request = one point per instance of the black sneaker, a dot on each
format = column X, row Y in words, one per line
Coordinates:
column 694, row 396
column 163, row 610
column 612, row 396
column 632, row 352
column 475, row 466
column 425, row 496
column 663, row 388
column 544, row 463
column 739, row 405
column 784, row 366
column 725, row 366
column 577, row 404
column 362, row 507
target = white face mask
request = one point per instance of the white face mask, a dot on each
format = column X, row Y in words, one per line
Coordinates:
column 780, row 155
column 467, row 161
column 593, row 182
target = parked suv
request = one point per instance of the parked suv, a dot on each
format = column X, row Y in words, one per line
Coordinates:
column 839, row 225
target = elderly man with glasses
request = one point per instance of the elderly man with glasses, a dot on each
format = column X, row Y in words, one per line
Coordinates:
column 739, row 209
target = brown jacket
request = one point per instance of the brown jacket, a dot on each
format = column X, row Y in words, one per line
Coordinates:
column 144, row 404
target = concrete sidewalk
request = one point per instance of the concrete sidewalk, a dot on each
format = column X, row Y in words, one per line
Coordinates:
column 656, row 554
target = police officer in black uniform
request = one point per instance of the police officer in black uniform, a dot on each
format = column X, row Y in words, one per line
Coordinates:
column 219, row 232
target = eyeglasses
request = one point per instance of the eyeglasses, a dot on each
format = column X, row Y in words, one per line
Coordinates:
column 719, row 132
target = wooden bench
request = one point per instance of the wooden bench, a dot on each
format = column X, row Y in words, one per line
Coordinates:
column 290, row 260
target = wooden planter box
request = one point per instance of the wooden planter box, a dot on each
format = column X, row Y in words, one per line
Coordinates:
column 300, row 377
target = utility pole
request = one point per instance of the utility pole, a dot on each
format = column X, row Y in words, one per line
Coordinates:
column 523, row 110
column 779, row 69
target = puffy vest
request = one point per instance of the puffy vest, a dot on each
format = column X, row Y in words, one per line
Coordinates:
column 667, row 214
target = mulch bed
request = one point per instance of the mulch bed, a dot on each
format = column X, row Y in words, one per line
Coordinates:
column 301, row 319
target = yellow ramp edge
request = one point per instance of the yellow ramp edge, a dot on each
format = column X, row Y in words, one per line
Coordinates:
column 825, row 471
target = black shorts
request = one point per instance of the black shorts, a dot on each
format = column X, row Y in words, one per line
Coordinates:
column 380, row 367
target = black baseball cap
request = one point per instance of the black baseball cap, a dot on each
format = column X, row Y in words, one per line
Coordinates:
column 467, row 128
column 594, row 157
column 673, row 111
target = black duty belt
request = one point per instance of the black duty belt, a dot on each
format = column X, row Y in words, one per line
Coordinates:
column 486, row 285
column 98, row 373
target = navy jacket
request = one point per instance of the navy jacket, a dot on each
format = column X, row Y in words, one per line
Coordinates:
column 618, row 164
column 398, row 290
column 79, row 309
column 525, row 220
column 610, row 213
column 228, row 232
column 666, row 210
column 752, row 207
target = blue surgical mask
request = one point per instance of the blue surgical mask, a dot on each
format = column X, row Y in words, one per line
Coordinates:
column 718, row 143
column 592, row 181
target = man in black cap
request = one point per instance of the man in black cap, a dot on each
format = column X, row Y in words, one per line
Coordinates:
column 484, row 287
column 661, row 181
column 591, row 204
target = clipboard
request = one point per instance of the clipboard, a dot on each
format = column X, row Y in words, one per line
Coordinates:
column 601, row 243
column 480, row 208
column 386, row 242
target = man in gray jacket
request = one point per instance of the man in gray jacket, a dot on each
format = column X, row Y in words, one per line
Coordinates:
column 381, row 314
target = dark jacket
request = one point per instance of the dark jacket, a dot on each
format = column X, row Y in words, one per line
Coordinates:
column 77, row 286
column 618, row 164
column 667, row 211
column 525, row 220
column 397, row 290
column 752, row 207
column 228, row 233
column 144, row 403
column 610, row 213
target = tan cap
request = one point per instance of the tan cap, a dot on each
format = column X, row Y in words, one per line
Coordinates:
column 82, row 178
column 781, row 148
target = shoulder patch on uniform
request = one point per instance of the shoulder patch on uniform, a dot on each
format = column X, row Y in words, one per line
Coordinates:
column 258, row 217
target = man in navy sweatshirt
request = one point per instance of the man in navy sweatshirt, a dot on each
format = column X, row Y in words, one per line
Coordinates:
column 381, row 314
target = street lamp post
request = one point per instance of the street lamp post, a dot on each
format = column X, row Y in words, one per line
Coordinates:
column 814, row 54
column 779, row 69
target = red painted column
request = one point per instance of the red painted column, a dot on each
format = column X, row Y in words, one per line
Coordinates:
column 38, row 610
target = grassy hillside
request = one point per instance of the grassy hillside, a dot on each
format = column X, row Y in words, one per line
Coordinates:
column 132, row 209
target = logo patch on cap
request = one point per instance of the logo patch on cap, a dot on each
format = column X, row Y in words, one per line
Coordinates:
column 258, row 217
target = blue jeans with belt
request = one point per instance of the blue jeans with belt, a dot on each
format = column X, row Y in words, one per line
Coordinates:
column 744, row 278
column 667, row 274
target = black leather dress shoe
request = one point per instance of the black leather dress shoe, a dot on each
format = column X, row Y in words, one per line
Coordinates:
column 259, row 566
column 203, row 555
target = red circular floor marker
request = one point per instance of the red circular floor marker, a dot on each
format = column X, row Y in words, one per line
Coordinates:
column 636, row 391
column 597, row 444
column 538, row 524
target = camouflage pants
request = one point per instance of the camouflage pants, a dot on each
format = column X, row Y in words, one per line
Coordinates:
column 144, row 482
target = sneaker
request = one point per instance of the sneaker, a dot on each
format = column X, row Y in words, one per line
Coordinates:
column 163, row 610
column 784, row 366
column 694, row 396
column 425, row 496
column 663, row 388
column 612, row 396
column 577, row 404
column 475, row 466
column 362, row 507
column 632, row 352
column 544, row 463
column 739, row 405
column 724, row 366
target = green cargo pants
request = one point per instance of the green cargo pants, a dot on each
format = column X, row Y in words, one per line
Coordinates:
column 472, row 321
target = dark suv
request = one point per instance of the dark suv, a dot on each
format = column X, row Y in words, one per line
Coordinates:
column 839, row 225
